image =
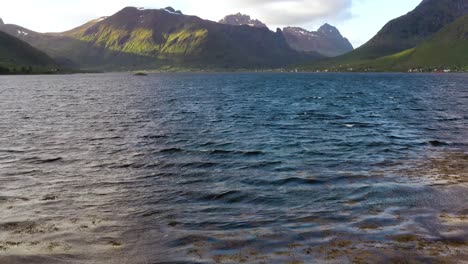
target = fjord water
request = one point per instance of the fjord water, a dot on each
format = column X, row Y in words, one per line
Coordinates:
column 228, row 168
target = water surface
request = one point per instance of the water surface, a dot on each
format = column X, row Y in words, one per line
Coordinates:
column 229, row 168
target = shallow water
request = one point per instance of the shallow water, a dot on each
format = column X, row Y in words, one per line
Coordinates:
column 229, row 168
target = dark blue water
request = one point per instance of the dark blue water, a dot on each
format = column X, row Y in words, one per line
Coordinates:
column 233, row 168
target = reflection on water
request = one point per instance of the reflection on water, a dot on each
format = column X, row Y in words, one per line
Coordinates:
column 446, row 168
column 229, row 168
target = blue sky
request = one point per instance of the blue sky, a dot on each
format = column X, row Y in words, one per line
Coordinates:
column 358, row 20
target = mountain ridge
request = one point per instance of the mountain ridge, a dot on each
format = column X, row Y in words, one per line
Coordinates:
column 138, row 38
column 327, row 40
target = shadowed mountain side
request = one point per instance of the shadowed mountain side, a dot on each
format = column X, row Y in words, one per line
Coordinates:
column 327, row 40
column 15, row 53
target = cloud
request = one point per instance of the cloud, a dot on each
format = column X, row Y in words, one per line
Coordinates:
column 295, row 12
column 58, row 15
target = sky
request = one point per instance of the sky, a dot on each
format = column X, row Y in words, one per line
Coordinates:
column 358, row 20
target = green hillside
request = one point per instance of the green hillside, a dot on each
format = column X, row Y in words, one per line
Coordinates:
column 72, row 53
column 448, row 49
column 410, row 30
column 445, row 48
column 18, row 55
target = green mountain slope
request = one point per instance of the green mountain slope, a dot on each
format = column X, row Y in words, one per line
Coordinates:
column 15, row 53
column 429, row 37
column 73, row 53
column 410, row 30
column 446, row 49
column 148, row 39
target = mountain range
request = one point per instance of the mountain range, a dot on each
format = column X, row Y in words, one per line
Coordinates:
column 327, row 41
column 137, row 38
column 432, row 36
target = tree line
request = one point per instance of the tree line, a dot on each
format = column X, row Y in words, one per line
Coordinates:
column 14, row 70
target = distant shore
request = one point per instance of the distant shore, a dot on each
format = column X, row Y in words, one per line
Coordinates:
column 211, row 70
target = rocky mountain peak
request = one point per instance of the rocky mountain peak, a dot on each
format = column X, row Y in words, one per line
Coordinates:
column 327, row 40
column 241, row 19
column 329, row 30
column 1, row 22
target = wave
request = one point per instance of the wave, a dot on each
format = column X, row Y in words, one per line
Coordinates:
column 240, row 152
column 283, row 182
column 229, row 197
column 438, row 143
column 38, row 160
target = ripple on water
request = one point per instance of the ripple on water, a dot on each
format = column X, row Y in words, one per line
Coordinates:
column 233, row 168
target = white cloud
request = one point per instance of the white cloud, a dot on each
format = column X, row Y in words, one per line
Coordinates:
column 57, row 15
column 295, row 12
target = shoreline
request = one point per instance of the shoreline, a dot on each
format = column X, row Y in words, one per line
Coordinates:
column 287, row 69
column 234, row 72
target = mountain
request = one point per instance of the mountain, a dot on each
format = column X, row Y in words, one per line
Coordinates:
column 327, row 40
column 137, row 38
column 447, row 49
column 187, row 40
column 412, row 29
column 240, row 20
column 17, row 54
column 405, row 42
column 72, row 53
